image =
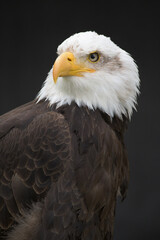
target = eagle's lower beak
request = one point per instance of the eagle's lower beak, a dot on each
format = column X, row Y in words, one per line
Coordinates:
column 65, row 65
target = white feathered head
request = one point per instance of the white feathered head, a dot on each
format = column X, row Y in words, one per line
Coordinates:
column 93, row 71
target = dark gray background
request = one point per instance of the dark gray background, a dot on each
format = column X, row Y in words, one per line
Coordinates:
column 30, row 32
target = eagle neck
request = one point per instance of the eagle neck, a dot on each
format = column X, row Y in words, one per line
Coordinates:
column 71, row 112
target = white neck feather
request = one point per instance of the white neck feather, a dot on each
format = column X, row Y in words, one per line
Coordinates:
column 114, row 94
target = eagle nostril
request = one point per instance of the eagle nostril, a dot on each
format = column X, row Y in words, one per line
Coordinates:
column 69, row 59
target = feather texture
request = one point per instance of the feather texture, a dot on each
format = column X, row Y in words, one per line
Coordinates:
column 70, row 162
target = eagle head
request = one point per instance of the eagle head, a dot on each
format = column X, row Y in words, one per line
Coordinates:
column 93, row 71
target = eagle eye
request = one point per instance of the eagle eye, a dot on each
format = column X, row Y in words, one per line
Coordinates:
column 93, row 57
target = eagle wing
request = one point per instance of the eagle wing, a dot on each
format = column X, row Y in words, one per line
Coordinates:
column 34, row 148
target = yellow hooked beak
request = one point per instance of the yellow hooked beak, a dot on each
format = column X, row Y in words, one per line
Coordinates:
column 65, row 65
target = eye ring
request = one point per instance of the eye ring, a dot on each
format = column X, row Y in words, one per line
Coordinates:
column 93, row 57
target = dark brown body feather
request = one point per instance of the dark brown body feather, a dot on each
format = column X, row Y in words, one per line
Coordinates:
column 60, row 171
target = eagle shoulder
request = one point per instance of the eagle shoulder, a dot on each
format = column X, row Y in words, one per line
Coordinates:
column 21, row 116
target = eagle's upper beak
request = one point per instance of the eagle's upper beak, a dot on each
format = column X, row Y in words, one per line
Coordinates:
column 65, row 65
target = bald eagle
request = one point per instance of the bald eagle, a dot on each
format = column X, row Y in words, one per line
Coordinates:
column 62, row 156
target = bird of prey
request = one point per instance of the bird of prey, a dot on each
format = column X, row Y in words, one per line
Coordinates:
column 63, row 160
